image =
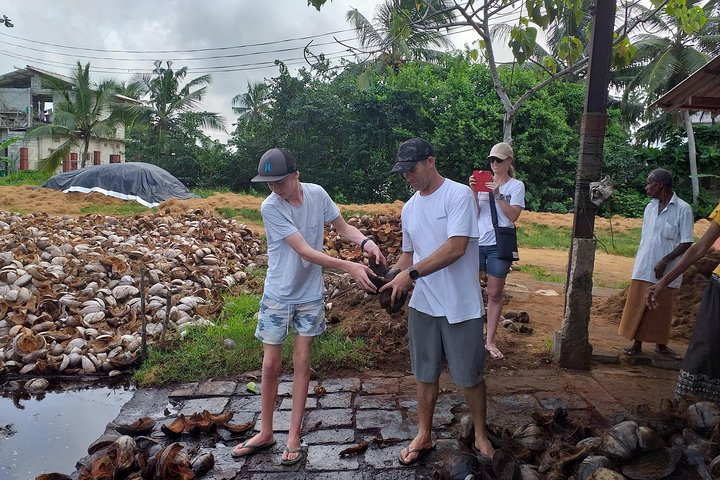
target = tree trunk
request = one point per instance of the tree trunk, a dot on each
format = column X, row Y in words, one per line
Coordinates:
column 692, row 156
column 507, row 125
column 85, row 153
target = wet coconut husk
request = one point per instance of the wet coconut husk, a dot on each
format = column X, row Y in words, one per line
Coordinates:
column 631, row 449
column 122, row 456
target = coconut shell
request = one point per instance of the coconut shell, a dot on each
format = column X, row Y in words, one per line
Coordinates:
column 621, row 441
column 701, row 416
column 652, row 465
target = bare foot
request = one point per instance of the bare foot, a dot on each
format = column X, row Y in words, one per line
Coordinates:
column 493, row 351
column 664, row 350
column 484, row 447
column 632, row 350
column 292, row 450
column 415, row 450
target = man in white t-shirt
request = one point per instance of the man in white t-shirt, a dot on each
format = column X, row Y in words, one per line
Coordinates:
column 294, row 215
column 667, row 232
column 440, row 258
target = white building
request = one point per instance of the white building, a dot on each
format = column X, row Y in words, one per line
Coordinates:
column 24, row 102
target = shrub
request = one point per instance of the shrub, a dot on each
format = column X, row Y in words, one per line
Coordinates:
column 626, row 203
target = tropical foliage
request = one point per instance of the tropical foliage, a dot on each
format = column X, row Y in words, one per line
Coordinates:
column 398, row 33
column 251, row 106
column 169, row 131
column 664, row 56
column 85, row 110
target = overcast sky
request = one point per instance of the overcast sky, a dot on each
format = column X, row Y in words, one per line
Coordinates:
column 123, row 38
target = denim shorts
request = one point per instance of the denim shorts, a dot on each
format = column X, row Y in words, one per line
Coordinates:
column 490, row 263
column 434, row 339
column 308, row 320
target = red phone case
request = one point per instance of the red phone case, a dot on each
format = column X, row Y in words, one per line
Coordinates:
column 481, row 178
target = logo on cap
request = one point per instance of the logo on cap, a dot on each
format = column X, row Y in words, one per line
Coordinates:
column 268, row 165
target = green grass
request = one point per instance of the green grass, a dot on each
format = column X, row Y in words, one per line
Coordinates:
column 207, row 192
column 352, row 213
column 28, row 177
column 201, row 354
column 624, row 243
column 541, row 274
column 248, row 214
column 535, row 235
column 125, row 210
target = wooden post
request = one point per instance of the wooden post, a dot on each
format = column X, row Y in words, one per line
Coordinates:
column 142, row 311
column 571, row 348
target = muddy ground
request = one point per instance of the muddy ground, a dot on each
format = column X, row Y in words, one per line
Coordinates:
column 361, row 315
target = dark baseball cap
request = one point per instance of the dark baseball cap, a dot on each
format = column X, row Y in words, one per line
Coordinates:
column 275, row 164
column 410, row 152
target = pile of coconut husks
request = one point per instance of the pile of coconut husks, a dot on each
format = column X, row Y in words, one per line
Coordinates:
column 679, row 441
column 80, row 295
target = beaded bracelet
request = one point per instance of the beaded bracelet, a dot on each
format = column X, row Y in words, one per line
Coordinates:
column 362, row 244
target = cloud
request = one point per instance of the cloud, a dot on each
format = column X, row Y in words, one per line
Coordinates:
column 127, row 29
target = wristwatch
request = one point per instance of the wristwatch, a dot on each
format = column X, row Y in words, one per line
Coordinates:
column 500, row 196
column 414, row 274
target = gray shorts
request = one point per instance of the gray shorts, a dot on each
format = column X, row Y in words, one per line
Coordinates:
column 433, row 339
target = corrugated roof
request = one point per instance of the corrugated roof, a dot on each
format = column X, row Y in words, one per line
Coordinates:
column 20, row 78
column 700, row 91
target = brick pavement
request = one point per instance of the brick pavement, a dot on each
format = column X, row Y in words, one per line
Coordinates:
column 381, row 405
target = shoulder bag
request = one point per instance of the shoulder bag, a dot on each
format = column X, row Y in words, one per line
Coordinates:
column 505, row 237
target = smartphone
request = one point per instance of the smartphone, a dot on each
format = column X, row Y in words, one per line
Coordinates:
column 482, row 177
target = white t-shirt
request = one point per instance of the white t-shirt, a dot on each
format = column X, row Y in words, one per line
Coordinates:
column 290, row 279
column 427, row 223
column 661, row 234
column 514, row 191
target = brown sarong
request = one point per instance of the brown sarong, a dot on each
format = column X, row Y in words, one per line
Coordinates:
column 642, row 324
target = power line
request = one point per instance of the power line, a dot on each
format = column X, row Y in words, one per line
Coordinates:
column 274, row 42
column 198, row 69
column 212, row 57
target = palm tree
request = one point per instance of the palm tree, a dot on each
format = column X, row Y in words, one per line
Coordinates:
column 665, row 56
column 168, row 99
column 397, row 34
column 134, row 89
column 84, row 112
column 252, row 106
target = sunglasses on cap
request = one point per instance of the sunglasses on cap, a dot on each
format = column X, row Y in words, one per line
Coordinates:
column 496, row 160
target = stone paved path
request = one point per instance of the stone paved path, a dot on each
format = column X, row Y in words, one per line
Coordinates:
column 382, row 406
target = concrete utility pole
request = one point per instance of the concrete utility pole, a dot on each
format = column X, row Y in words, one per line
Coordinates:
column 571, row 347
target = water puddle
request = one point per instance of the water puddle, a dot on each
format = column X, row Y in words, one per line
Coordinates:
column 51, row 431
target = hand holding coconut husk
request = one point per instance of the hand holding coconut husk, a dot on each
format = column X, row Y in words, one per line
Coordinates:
column 382, row 277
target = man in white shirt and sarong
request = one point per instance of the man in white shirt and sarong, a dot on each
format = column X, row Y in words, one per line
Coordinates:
column 667, row 232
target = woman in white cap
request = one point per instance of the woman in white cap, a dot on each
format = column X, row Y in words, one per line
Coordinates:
column 509, row 198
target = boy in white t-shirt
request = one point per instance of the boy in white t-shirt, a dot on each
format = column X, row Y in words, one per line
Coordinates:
column 294, row 215
column 440, row 258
